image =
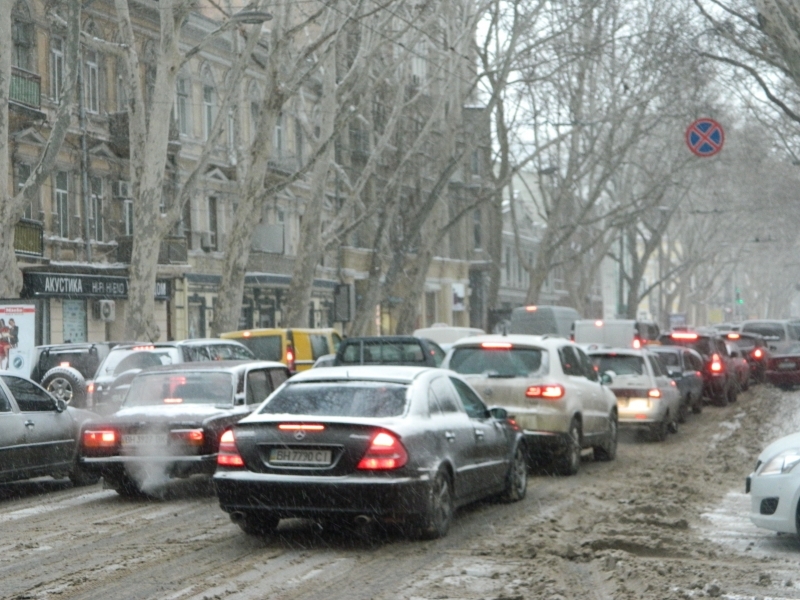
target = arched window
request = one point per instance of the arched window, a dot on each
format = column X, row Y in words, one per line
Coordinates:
column 23, row 37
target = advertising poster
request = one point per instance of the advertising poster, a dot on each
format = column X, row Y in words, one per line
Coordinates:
column 17, row 337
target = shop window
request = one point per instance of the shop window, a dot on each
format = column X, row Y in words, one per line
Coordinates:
column 73, row 313
column 197, row 317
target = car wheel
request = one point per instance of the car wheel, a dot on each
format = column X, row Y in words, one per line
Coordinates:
column 517, row 478
column 673, row 425
column 125, row 486
column 258, row 524
column 568, row 462
column 733, row 392
column 67, row 384
column 439, row 510
column 683, row 412
column 608, row 450
column 746, row 384
column 658, row 431
column 81, row 477
column 721, row 398
column 697, row 405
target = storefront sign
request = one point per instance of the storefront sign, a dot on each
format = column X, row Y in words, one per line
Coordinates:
column 63, row 285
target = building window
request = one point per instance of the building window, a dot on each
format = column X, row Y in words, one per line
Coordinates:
column 378, row 117
column 475, row 163
column 186, row 223
column 61, row 205
column 277, row 140
column 183, row 106
column 96, row 209
column 213, row 223
column 56, row 68
column 209, row 110
column 298, row 142
column 91, row 84
column 127, row 216
column 22, row 36
column 122, row 90
column 419, row 63
column 23, row 173
column 508, row 266
column 476, row 229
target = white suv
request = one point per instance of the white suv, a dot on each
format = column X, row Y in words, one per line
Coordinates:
column 549, row 387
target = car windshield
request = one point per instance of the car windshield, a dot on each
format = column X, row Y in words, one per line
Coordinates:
column 265, row 347
column 340, row 399
column 383, row 352
column 119, row 361
column 501, row 362
column 150, row 389
column 774, row 331
column 618, row 364
column 669, row 359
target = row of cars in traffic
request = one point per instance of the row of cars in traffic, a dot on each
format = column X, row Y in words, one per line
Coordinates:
column 398, row 439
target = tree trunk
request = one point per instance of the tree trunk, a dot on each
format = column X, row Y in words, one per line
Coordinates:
column 418, row 273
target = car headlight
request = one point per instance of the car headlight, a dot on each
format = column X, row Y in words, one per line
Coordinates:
column 782, row 463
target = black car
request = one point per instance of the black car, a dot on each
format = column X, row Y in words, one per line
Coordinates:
column 124, row 361
column 64, row 369
column 755, row 349
column 171, row 420
column 38, row 433
column 400, row 444
column 719, row 376
column 389, row 350
column 685, row 367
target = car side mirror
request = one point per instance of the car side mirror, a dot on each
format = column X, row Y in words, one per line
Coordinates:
column 239, row 400
column 606, row 379
column 61, row 406
column 499, row 413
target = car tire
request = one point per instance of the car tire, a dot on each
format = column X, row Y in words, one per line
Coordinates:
column 66, row 383
column 81, row 477
column 439, row 508
column 258, row 524
column 608, row 450
column 517, row 477
column 721, row 398
column 658, row 431
column 683, row 412
column 125, row 486
column 568, row 461
column 674, row 425
column 697, row 404
column 746, row 384
column 733, row 392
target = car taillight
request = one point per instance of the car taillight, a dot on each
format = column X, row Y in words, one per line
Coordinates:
column 100, row 438
column 654, row 393
column 546, row 392
column 758, row 354
column 290, row 358
column 716, row 364
column 193, row 437
column 385, row 452
column 637, row 343
column 90, row 387
column 301, row 427
column 228, row 455
column 496, row 345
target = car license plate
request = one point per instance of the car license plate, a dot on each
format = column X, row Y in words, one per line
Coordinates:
column 144, row 439
column 787, row 365
column 294, row 456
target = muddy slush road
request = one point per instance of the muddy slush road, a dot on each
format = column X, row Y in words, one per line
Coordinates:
column 663, row 521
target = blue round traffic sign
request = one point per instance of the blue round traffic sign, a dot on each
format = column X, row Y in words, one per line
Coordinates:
column 705, row 137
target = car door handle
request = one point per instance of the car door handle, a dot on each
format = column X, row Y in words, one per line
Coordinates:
column 451, row 437
column 29, row 423
column 479, row 433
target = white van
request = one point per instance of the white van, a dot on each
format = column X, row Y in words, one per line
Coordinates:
column 616, row 333
column 543, row 320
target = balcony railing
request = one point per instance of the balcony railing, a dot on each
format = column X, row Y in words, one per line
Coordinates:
column 29, row 238
column 172, row 250
column 26, row 88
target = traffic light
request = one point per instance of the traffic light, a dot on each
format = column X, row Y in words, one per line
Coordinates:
column 739, row 299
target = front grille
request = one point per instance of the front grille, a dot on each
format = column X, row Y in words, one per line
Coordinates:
column 769, row 506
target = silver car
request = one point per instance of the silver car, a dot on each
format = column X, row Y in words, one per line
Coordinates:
column 550, row 388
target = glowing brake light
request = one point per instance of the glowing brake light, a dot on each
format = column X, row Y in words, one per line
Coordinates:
column 531, row 308
column 173, row 400
column 716, row 364
column 654, row 393
column 100, row 438
column 90, row 387
column 683, row 335
column 637, row 343
column 290, row 358
column 496, row 345
column 300, row 427
column 758, row 354
column 137, row 348
column 246, row 334
column 193, row 437
column 228, row 455
column 385, row 452
column 598, row 323
column 733, row 336
column 547, row 392
column 63, row 364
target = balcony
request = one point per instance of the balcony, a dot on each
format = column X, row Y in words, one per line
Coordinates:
column 172, row 250
column 29, row 238
column 26, row 88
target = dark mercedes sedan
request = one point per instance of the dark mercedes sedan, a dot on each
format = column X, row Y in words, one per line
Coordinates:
column 395, row 444
column 171, row 420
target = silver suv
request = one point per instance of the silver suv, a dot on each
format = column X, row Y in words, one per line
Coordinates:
column 549, row 387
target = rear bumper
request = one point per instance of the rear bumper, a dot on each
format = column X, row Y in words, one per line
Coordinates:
column 173, row 466
column 783, row 377
column 297, row 496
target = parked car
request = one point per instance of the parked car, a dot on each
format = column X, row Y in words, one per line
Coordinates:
column 549, row 387
column 124, row 361
column 543, row 320
column 774, row 486
column 783, row 369
column 404, row 444
column 778, row 333
column 171, row 420
column 755, row 350
column 38, row 433
column 647, row 398
column 64, row 369
column 389, row 350
column 617, row 333
column 740, row 365
column 297, row 348
column 684, row 366
column 719, row 377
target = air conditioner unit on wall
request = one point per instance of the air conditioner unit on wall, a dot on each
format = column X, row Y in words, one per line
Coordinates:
column 122, row 189
column 104, row 310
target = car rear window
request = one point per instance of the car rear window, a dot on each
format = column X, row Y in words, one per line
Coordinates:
column 340, row 399
column 771, row 330
column 703, row 345
column 382, row 352
column 669, row 359
column 265, row 347
column 619, row 364
column 119, row 361
column 149, row 389
column 499, row 362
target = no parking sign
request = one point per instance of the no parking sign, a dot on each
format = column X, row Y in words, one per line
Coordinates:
column 705, row 137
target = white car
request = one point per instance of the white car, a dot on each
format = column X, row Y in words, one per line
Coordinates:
column 647, row 397
column 551, row 390
column 774, row 486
